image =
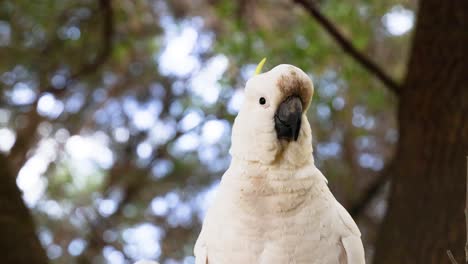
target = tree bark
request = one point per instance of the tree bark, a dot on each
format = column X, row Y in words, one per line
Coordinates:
column 425, row 214
column 18, row 240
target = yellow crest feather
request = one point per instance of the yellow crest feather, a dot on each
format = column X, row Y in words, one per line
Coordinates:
column 258, row 70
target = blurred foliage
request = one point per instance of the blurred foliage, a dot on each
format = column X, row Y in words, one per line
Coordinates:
column 126, row 128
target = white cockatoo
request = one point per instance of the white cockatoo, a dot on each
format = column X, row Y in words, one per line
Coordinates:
column 273, row 206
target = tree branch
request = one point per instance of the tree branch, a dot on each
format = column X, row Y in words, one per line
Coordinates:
column 452, row 259
column 348, row 47
column 449, row 252
column 18, row 241
column 106, row 48
column 104, row 52
column 361, row 204
column 24, row 139
column 466, row 213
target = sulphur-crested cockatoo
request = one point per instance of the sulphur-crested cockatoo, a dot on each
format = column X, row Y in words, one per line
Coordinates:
column 273, row 206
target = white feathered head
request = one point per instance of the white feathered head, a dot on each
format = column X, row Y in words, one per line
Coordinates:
column 272, row 125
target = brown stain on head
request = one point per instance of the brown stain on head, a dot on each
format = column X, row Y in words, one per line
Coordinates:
column 292, row 84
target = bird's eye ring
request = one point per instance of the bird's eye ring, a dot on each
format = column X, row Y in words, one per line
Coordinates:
column 262, row 100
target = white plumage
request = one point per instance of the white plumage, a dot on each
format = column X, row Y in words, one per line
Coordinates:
column 273, row 206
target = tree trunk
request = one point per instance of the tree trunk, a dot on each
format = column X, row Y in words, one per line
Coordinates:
column 425, row 215
column 18, row 240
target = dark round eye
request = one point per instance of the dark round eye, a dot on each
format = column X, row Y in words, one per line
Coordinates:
column 262, row 100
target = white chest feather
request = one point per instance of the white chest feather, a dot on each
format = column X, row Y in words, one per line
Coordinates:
column 268, row 216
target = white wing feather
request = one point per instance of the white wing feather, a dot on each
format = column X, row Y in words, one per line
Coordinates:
column 201, row 255
column 353, row 249
column 352, row 243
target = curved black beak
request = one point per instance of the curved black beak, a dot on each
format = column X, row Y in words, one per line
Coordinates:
column 288, row 118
